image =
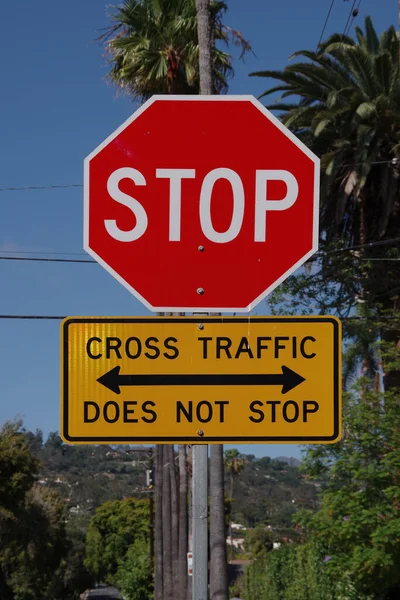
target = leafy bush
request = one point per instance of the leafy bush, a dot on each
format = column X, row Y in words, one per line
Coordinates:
column 298, row 573
column 134, row 576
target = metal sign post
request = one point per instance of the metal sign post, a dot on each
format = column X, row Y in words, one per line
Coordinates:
column 200, row 522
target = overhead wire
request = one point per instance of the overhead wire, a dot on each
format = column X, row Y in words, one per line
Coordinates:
column 353, row 13
column 51, row 253
column 40, row 259
column 41, row 187
column 93, row 262
column 61, row 318
column 80, row 185
column 345, row 30
column 326, row 23
column 368, row 245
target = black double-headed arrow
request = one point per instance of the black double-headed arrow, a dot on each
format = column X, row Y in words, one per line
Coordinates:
column 288, row 379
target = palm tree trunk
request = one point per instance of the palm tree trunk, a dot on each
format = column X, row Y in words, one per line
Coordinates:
column 230, row 516
column 183, row 524
column 158, row 545
column 166, row 527
column 173, row 83
column 218, row 563
column 204, row 32
column 218, row 559
column 174, row 518
column 363, row 235
column 189, row 590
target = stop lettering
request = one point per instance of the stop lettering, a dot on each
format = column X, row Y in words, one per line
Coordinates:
column 201, row 203
column 175, row 177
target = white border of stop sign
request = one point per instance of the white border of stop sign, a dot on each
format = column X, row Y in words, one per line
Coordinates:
column 176, row 176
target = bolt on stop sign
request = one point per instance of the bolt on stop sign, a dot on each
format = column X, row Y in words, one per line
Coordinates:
column 201, row 203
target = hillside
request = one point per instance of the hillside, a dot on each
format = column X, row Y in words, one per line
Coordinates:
column 266, row 491
column 269, row 491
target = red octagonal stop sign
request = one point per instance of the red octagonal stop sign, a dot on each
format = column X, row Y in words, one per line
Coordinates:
column 201, row 203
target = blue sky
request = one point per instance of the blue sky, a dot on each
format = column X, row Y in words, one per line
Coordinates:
column 55, row 108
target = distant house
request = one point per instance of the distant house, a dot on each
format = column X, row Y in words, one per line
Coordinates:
column 276, row 545
column 237, row 542
column 238, row 526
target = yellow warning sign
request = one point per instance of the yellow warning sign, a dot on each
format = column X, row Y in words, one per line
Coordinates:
column 201, row 380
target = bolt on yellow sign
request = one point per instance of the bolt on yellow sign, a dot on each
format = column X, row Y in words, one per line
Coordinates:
column 201, row 380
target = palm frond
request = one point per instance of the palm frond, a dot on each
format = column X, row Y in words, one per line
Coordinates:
column 152, row 45
column 371, row 37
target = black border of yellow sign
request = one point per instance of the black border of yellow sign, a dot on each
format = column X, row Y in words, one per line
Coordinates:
column 186, row 439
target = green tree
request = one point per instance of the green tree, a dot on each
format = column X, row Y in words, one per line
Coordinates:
column 234, row 464
column 343, row 101
column 358, row 522
column 18, row 468
column 348, row 111
column 153, row 49
column 134, row 578
column 112, row 531
column 76, row 577
column 39, row 546
column 296, row 573
column 258, row 541
column 32, row 524
column 17, row 473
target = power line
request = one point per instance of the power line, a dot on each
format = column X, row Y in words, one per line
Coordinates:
column 353, row 14
column 58, row 260
column 39, row 317
column 380, row 259
column 58, row 318
column 394, row 161
column 51, row 253
column 345, row 30
column 93, row 262
column 368, row 245
column 41, row 187
column 326, row 23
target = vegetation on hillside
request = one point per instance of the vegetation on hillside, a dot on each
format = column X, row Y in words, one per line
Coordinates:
column 92, row 506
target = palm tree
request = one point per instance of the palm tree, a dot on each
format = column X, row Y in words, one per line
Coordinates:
column 348, row 111
column 218, row 559
column 218, row 562
column 183, row 522
column 158, row 538
column 344, row 103
column 234, row 464
column 167, row 527
column 153, row 49
column 174, row 517
column 206, row 44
